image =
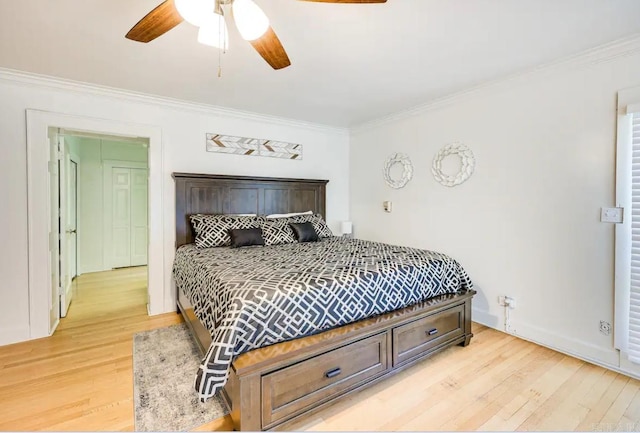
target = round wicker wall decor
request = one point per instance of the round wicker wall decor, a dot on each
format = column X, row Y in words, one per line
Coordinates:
column 407, row 170
column 467, row 165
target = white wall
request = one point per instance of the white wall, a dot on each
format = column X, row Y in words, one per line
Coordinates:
column 527, row 222
column 90, row 215
column 183, row 128
column 90, row 187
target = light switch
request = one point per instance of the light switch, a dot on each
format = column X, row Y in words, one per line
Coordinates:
column 611, row 214
column 387, row 206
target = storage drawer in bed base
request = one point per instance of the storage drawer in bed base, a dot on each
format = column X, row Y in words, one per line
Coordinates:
column 261, row 399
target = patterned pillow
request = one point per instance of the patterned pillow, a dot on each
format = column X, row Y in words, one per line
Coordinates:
column 213, row 230
column 277, row 231
column 321, row 227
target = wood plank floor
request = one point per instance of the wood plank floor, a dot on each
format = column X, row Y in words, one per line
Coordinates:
column 81, row 379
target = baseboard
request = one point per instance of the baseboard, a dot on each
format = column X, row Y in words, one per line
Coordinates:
column 608, row 358
column 89, row 271
column 484, row 318
column 16, row 334
column 589, row 352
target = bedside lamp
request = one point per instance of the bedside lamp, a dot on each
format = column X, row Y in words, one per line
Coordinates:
column 346, row 228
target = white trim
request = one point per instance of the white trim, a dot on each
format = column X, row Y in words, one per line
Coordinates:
column 123, row 163
column 614, row 360
column 38, row 123
column 629, row 368
column 484, row 318
column 633, row 108
column 49, row 82
column 622, row 267
column 603, row 53
column 606, row 357
column 13, row 335
column 629, row 100
column 622, row 250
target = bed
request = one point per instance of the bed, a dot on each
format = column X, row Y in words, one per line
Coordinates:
column 287, row 329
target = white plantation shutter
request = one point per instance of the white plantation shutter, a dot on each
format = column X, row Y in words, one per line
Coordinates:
column 634, row 301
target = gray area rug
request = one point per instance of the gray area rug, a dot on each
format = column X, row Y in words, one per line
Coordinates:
column 165, row 361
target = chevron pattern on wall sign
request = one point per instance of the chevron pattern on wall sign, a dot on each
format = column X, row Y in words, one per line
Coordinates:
column 253, row 147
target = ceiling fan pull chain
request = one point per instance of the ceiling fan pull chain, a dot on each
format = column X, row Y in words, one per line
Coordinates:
column 222, row 38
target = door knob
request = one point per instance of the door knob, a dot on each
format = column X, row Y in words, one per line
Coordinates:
column 71, row 231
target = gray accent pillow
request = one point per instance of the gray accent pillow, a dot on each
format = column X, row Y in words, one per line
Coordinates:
column 319, row 224
column 245, row 237
column 305, row 232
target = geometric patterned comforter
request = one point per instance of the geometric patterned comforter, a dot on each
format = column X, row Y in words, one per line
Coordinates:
column 255, row 296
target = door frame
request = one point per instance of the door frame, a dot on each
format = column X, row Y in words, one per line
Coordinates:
column 67, row 285
column 107, row 166
column 75, row 159
column 39, row 208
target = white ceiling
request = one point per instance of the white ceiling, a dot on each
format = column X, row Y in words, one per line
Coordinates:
column 350, row 63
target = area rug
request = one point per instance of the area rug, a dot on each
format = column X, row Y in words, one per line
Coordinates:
column 165, row 361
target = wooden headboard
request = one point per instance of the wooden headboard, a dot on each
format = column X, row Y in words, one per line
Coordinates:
column 220, row 194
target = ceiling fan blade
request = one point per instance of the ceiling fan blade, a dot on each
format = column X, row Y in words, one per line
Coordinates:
column 346, row 1
column 156, row 23
column 270, row 48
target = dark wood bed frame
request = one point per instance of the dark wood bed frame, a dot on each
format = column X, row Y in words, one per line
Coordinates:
column 275, row 387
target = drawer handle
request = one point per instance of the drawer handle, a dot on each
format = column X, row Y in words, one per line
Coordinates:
column 434, row 331
column 332, row 373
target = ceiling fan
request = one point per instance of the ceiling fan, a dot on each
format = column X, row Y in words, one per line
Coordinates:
column 208, row 15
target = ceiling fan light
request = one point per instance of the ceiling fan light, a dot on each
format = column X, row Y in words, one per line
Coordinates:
column 251, row 21
column 194, row 11
column 213, row 32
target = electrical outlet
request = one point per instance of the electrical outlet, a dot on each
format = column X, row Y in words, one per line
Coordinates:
column 510, row 302
column 605, row 327
column 507, row 301
column 611, row 215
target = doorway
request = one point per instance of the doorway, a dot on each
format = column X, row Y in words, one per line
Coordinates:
column 101, row 212
column 39, row 202
column 106, row 205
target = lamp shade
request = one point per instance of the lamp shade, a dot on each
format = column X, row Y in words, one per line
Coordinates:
column 195, row 11
column 213, row 32
column 346, row 227
column 251, row 21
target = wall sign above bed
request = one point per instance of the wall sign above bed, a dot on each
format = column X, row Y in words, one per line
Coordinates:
column 230, row 144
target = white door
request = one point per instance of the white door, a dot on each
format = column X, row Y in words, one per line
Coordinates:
column 65, row 279
column 54, row 231
column 138, row 217
column 73, row 219
column 127, row 217
column 121, row 217
column 70, row 235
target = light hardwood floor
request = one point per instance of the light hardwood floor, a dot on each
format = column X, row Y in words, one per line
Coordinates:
column 81, row 379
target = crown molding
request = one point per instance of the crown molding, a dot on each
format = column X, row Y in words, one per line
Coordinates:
column 49, row 82
column 601, row 54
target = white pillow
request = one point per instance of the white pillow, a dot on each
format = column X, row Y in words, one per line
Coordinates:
column 286, row 215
